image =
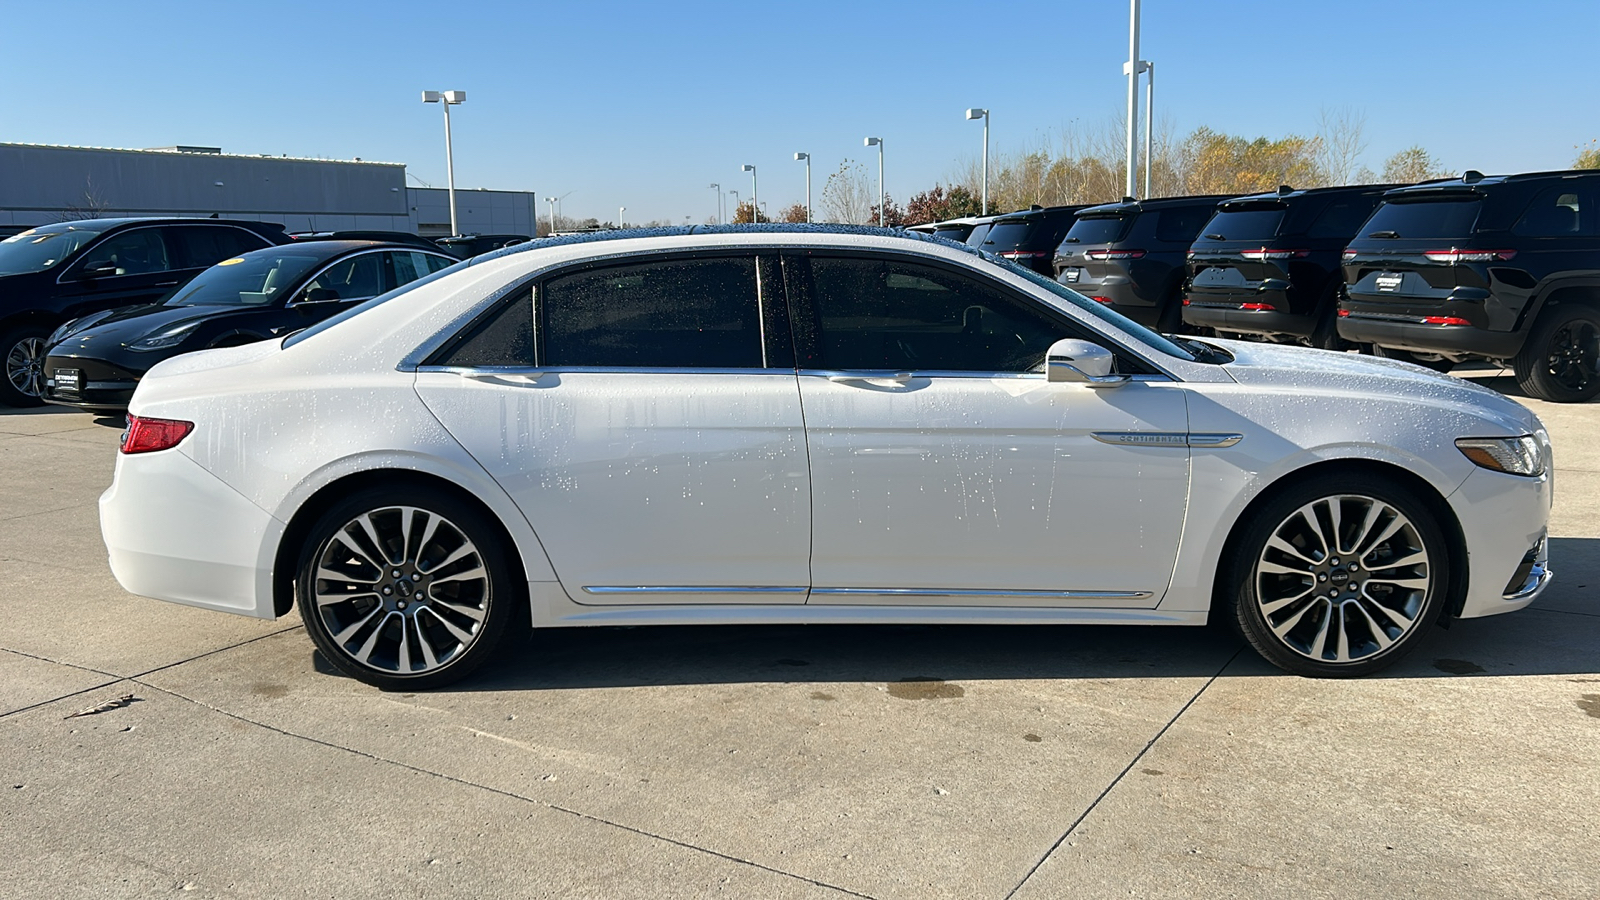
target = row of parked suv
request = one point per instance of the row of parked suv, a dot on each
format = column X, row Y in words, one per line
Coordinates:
column 1500, row 268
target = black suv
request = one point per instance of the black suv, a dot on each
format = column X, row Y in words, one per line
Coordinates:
column 54, row 273
column 1029, row 237
column 1502, row 268
column 1267, row 265
column 466, row 246
column 1130, row 255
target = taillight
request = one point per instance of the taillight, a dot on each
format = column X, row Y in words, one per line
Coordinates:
column 1344, row 313
column 1453, row 256
column 1186, row 301
column 149, row 435
column 1023, row 254
column 1189, row 255
column 1258, row 307
column 1106, row 300
column 1114, row 254
column 1264, row 253
column 1349, row 255
column 1444, row 320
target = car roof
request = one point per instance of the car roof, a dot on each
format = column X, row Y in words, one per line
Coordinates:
column 1135, row 206
column 1039, row 212
column 1471, row 181
column 330, row 249
column 1310, row 192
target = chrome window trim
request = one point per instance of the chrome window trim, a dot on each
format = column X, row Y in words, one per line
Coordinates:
column 956, row 592
column 334, row 262
column 597, row 370
column 691, row 589
column 946, row 373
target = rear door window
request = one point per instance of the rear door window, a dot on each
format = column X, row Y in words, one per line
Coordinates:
column 356, row 278
column 1555, row 212
column 200, row 246
column 1423, row 219
column 692, row 313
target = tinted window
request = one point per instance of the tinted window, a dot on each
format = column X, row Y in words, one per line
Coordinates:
column 504, row 339
column 137, row 252
column 978, row 235
column 1097, row 230
column 411, row 265
column 904, row 317
column 1554, row 213
column 356, row 278
column 354, row 311
column 1242, row 225
column 254, row 280
column 198, row 246
column 1342, row 218
column 1181, row 225
column 1425, row 219
column 39, row 249
column 701, row 313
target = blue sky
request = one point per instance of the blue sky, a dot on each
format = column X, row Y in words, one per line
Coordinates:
column 645, row 104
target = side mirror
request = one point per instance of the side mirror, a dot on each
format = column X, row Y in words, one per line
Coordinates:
column 1081, row 362
column 319, row 295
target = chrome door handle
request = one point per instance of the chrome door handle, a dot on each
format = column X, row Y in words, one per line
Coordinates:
column 897, row 377
column 165, row 283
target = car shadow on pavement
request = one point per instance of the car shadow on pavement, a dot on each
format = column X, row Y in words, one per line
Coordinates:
column 1559, row 635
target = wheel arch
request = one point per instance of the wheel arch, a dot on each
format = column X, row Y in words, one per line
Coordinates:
column 299, row 526
column 1577, row 289
column 1437, row 504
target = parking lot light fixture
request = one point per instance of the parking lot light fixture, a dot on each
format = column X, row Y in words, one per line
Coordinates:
column 807, row 158
column 1149, row 118
column 620, row 211
column 718, row 188
column 878, row 142
column 984, row 115
column 448, row 99
column 755, row 195
column 552, row 202
column 1130, row 69
column 735, row 203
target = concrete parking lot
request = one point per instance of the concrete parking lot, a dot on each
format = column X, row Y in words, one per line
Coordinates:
column 887, row 762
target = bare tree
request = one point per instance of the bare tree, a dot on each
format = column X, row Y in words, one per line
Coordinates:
column 848, row 195
column 1342, row 133
column 92, row 205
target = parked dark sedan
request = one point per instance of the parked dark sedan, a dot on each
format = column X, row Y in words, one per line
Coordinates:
column 95, row 362
column 54, row 273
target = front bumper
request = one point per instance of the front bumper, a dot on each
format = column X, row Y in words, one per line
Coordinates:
column 100, row 384
column 1504, row 520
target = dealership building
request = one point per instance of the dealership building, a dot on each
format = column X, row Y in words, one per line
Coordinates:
column 41, row 183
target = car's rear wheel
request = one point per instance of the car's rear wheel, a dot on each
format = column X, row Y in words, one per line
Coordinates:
column 1427, row 360
column 22, row 357
column 1560, row 358
column 1339, row 577
column 404, row 589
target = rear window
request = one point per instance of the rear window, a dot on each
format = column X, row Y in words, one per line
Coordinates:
column 1341, row 218
column 1425, row 219
column 1097, row 230
column 977, row 236
column 1179, row 225
column 1243, row 225
column 1009, row 235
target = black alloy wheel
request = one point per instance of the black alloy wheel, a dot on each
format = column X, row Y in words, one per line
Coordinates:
column 1560, row 359
column 22, row 358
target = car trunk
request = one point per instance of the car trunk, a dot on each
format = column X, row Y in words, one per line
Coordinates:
column 1233, row 251
column 1083, row 256
column 1408, row 253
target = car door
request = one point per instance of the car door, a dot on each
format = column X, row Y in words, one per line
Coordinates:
column 130, row 267
column 652, row 434
column 946, row 470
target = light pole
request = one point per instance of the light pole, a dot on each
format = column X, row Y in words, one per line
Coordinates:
column 448, row 98
column 807, row 158
column 984, row 115
column 735, row 202
column 620, row 211
column 1131, row 69
column 878, row 142
column 755, row 195
column 552, row 202
column 1149, row 119
column 718, row 189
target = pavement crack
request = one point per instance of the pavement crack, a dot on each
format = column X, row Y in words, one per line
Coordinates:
column 513, row 795
column 1123, row 774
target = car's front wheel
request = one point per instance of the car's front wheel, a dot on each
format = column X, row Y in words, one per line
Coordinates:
column 22, row 356
column 1340, row 576
column 404, row 590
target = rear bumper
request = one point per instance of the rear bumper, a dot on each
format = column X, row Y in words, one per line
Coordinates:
column 1249, row 321
column 1449, row 340
column 173, row 531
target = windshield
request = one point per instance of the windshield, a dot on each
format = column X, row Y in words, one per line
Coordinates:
column 1242, row 225
column 255, row 279
column 356, row 310
column 36, row 250
column 1096, row 310
column 1428, row 219
column 1097, row 230
column 979, row 232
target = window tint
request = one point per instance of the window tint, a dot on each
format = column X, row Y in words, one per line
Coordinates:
column 1242, row 225
column 137, row 252
column 700, row 313
column 1181, row 225
column 1342, row 218
column 504, row 339
column 1554, row 213
column 199, row 246
column 979, row 234
column 904, row 317
column 356, row 278
column 1425, row 219
column 1097, row 230
column 410, row 265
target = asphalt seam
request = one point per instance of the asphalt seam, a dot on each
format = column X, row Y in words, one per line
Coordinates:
column 134, row 677
column 41, row 512
column 501, row 791
column 1565, row 612
column 1123, row 774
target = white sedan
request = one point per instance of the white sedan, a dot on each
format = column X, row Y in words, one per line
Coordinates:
column 706, row 426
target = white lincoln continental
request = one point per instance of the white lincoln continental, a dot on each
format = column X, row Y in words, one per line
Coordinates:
column 770, row 424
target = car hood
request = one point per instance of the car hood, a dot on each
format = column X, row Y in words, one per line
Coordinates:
column 130, row 323
column 1286, row 367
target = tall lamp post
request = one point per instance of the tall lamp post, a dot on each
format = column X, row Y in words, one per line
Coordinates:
column 807, row 158
column 552, row 202
column 718, row 189
column 878, row 142
column 1149, row 119
column 735, row 204
column 984, row 115
column 755, row 195
column 1131, row 69
column 620, row 211
column 448, row 98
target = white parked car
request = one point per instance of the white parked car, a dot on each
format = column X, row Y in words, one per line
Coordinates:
column 709, row 426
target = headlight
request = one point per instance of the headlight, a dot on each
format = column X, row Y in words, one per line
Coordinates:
column 72, row 327
column 170, row 337
column 1514, row 456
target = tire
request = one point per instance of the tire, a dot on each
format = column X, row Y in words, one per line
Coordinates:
column 432, row 624
column 1426, row 360
column 1558, row 361
column 1325, row 333
column 1351, row 610
column 22, row 365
